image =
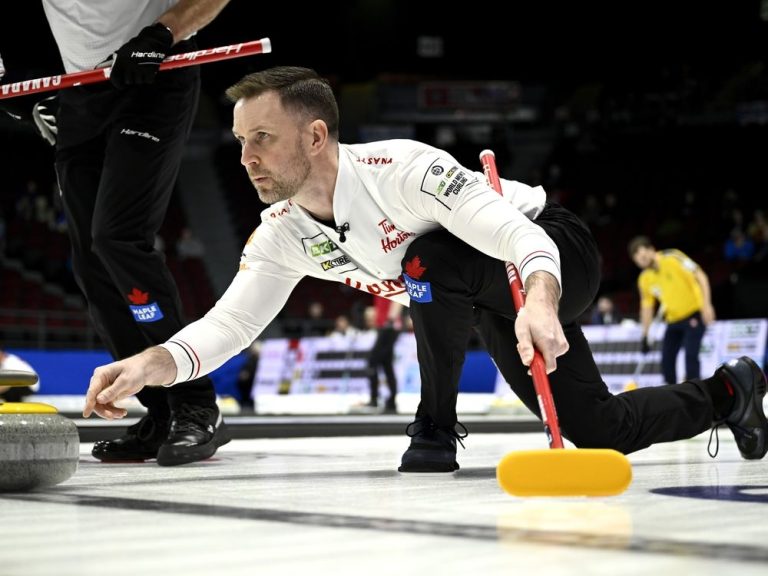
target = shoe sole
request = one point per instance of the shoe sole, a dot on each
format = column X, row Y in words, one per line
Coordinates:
column 123, row 459
column 429, row 468
column 428, row 460
column 122, row 456
column 171, row 456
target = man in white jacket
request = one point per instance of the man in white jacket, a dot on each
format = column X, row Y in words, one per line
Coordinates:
column 406, row 221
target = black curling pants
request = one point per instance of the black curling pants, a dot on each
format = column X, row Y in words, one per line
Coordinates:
column 470, row 289
column 117, row 159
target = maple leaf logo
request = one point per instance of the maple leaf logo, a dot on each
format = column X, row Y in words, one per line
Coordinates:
column 138, row 297
column 414, row 269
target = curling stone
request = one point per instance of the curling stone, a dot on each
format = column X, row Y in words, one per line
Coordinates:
column 38, row 446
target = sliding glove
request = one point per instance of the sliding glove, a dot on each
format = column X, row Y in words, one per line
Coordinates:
column 138, row 60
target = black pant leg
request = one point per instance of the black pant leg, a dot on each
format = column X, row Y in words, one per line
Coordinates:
column 132, row 295
column 442, row 325
column 460, row 279
column 78, row 169
column 589, row 415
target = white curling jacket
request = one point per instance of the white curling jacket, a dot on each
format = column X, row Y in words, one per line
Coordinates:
column 388, row 193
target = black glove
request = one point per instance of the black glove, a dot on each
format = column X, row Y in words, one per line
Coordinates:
column 138, row 60
column 645, row 346
column 40, row 115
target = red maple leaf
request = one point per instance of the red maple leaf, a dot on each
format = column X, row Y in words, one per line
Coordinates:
column 414, row 269
column 138, row 297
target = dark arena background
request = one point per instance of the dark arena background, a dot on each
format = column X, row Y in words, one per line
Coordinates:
column 645, row 118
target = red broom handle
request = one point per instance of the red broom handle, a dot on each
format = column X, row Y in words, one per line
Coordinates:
column 538, row 367
column 49, row 83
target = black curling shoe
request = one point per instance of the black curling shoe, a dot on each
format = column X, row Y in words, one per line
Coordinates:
column 747, row 419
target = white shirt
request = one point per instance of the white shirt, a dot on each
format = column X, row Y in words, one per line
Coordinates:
column 389, row 193
column 87, row 32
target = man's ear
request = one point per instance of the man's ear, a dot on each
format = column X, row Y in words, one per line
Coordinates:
column 319, row 131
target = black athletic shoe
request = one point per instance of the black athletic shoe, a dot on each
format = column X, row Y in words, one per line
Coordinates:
column 140, row 442
column 196, row 433
column 747, row 420
column 432, row 449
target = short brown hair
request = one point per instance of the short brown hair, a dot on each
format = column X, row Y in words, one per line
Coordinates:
column 638, row 242
column 300, row 89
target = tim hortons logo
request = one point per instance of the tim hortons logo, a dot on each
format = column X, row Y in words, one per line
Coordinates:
column 389, row 243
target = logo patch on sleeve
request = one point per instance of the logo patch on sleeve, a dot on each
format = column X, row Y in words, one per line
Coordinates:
column 444, row 180
column 418, row 291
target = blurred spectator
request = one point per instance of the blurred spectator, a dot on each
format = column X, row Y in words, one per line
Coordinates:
column 44, row 212
column 343, row 328
column 10, row 361
column 188, row 246
column 591, row 211
column 739, row 247
column 3, row 229
column 758, row 228
column 604, row 312
column 25, row 204
column 159, row 244
column 758, row 233
column 314, row 324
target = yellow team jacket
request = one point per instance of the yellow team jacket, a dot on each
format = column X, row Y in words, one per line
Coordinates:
column 673, row 284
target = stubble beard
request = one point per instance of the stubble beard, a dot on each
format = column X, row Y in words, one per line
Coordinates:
column 287, row 187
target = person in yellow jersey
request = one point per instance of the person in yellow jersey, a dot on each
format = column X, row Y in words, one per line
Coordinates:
column 674, row 281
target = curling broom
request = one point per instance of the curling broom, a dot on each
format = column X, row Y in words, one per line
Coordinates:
column 553, row 472
column 182, row 60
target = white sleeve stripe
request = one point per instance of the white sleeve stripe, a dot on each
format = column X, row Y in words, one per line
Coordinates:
column 533, row 256
column 194, row 362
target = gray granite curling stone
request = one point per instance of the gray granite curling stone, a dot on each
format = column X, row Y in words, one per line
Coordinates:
column 36, row 449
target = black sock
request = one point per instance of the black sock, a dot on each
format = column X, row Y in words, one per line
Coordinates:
column 722, row 393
